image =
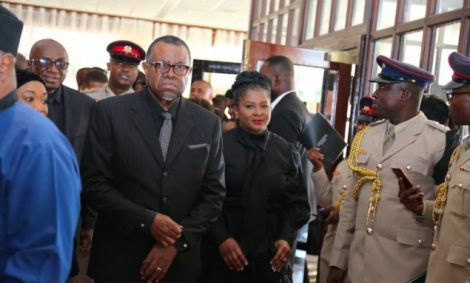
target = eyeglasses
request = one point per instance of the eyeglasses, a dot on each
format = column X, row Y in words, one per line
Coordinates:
column 163, row 68
column 46, row 63
column 450, row 94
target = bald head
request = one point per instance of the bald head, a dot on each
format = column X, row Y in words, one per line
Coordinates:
column 49, row 50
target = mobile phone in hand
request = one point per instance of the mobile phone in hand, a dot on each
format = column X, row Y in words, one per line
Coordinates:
column 401, row 174
column 324, row 213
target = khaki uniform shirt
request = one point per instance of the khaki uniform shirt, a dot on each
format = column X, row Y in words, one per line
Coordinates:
column 327, row 194
column 102, row 93
column 397, row 247
column 450, row 262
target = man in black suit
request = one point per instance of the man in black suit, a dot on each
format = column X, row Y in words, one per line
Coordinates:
column 154, row 171
column 69, row 109
column 289, row 114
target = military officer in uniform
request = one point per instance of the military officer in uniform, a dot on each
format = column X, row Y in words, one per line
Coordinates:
column 450, row 212
column 377, row 240
column 125, row 57
column 330, row 195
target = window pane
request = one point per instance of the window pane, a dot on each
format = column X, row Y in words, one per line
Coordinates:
column 382, row 47
column 274, row 5
column 448, row 5
column 285, row 22
column 358, row 12
column 446, row 41
column 312, row 15
column 411, row 52
column 387, row 12
column 294, row 40
column 414, row 10
column 341, row 13
column 325, row 17
column 262, row 32
column 272, row 29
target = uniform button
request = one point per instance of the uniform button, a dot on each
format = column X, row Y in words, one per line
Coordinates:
column 185, row 245
column 142, row 225
column 408, row 167
column 369, row 231
column 165, row 173
column 345, row 187
column 448, row 177
column 460, row 185
column 165, row 199
column 379, row 166
column 468, row 260
column 420, row 242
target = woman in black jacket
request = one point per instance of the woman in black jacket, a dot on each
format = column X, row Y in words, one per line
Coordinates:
column 266, row 201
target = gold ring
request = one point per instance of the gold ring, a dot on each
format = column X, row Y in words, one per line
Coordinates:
column 159, row 268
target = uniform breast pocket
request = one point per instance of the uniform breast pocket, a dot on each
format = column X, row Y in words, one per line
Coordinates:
column 459, row 255
column 458, row 199
column 414, row 237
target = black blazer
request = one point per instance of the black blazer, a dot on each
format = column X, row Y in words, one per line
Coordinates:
column 277, row 185
column 77, row 113
column 77, row 108
column 126, row 179
column 266, row 201
column 288, row 119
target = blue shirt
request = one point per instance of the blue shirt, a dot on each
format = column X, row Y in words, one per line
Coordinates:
column 39, row 196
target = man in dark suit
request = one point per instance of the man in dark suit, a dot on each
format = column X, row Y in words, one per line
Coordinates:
column 154, row 171
column 289, row 114
column 69, row 109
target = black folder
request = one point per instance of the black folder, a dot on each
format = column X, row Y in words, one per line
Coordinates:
column 320, row 134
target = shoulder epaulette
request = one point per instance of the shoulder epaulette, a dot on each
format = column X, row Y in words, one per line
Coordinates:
column 437, row 125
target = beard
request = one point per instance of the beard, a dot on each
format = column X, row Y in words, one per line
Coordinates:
column 168, row 96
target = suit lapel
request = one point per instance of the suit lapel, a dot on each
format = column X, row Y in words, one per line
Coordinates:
column 181, row 130
column 411, row 133
column 143, row 121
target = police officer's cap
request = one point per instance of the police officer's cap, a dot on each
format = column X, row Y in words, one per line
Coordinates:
column 460, row 64
column 10, row 31
column 124, row 50
column 394, row 71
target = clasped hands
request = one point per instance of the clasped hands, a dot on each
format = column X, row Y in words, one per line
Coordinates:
column 165, row 231
column 235, row 258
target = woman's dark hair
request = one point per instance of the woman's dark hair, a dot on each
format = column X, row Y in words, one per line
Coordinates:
column 25, row 76
column 249, row 80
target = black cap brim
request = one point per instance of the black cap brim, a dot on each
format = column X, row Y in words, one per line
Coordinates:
column 383, row 81
column 124, row 59
column 365, row 118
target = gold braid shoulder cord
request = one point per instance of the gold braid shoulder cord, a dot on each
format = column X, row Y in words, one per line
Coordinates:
column 441, row 199
column 442, row 190
column 363, row 175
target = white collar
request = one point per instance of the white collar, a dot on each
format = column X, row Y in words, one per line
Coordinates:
column 279, row 98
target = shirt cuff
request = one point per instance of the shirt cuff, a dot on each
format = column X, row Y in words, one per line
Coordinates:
column 181, row 244
column 147, row 220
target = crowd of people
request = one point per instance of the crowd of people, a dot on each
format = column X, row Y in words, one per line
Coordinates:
column 144, row 185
